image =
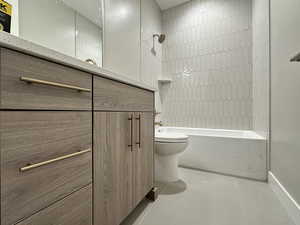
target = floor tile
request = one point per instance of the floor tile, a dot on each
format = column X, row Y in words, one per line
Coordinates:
column 211, row 199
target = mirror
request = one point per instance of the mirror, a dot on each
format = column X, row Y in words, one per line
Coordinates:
column 71, row 27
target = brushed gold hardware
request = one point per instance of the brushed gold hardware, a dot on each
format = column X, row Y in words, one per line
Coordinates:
column 32, row 80
column 131, row 131
column 33, row 166
column 90, row 61
column 139, row 120
column 158, row 123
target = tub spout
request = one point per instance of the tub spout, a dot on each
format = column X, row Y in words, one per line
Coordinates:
column 158, row 124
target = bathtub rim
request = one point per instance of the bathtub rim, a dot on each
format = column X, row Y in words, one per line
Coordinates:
column 255, row 136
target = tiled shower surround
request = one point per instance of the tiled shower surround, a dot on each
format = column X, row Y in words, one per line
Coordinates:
column 208, row 56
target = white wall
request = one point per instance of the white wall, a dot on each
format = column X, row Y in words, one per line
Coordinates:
column 208, row 54
column 92, row 11
column 15, row 17
column 88, row 40
column 261, row 64
column 54, row 25
column 285, row 95
column 129, row 27
column 122, row 37
column 48, row 23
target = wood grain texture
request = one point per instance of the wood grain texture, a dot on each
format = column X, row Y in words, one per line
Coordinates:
column 75, row 209
column 143, row 157
column 112, row 168
column 114, row 96
column 33, row 137
column 17, row 94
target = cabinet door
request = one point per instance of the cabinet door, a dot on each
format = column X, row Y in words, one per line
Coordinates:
column 143, row 161
column 113, row 180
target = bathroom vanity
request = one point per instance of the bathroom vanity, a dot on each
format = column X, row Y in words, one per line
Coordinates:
column 76, row 143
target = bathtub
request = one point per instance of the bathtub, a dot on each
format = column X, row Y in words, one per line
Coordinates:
column 240, row 153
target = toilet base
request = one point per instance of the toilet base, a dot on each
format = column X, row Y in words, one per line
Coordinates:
column 166, row 168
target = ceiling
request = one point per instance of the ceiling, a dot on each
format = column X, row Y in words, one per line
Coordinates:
column 166, row 4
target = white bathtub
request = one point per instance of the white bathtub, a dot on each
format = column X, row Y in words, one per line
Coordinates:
column 233, row 152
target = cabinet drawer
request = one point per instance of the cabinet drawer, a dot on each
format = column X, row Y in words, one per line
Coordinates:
column 114, row 96
column 75, row 209
column 40, row 159
column 31, row 83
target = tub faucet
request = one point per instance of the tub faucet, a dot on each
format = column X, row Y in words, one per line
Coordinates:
column 157, row 113
column 158, row 123
column 91, row 61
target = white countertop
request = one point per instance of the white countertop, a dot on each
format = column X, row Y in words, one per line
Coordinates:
column 12, row 42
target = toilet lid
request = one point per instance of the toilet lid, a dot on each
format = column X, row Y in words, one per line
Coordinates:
column 171, row 137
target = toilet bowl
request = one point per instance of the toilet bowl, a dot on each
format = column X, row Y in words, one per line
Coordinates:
column 168, row 146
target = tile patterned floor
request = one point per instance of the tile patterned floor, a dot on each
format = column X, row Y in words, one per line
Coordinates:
column 202, row 198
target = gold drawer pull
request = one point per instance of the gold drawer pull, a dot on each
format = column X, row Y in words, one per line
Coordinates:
column 33, row 166
column 32, row 80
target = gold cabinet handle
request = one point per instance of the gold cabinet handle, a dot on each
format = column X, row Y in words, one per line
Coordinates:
column 32, row 80
column 33, row 166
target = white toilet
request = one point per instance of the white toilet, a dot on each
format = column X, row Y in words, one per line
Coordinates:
column 168, row 146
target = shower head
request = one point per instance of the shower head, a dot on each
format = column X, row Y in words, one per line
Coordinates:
column 161, row 37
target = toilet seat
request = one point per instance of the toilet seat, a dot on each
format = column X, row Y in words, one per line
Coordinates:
column 171, row 138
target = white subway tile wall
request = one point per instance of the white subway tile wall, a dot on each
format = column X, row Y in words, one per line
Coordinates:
column 208, row 55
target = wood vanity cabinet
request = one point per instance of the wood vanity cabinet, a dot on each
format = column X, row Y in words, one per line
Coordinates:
column 115, row 96
column 75, row 148
column 123, row 154
column 29, row 138
column 143, row 157
column 123, row 163
column 45, row 142
column 29, row 82
column 113, row 167
column 75, row 209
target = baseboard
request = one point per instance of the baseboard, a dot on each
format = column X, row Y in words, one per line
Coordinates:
column 292, row 207
column 223, row 174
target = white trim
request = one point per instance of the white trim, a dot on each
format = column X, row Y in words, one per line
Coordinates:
column 285, row 198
